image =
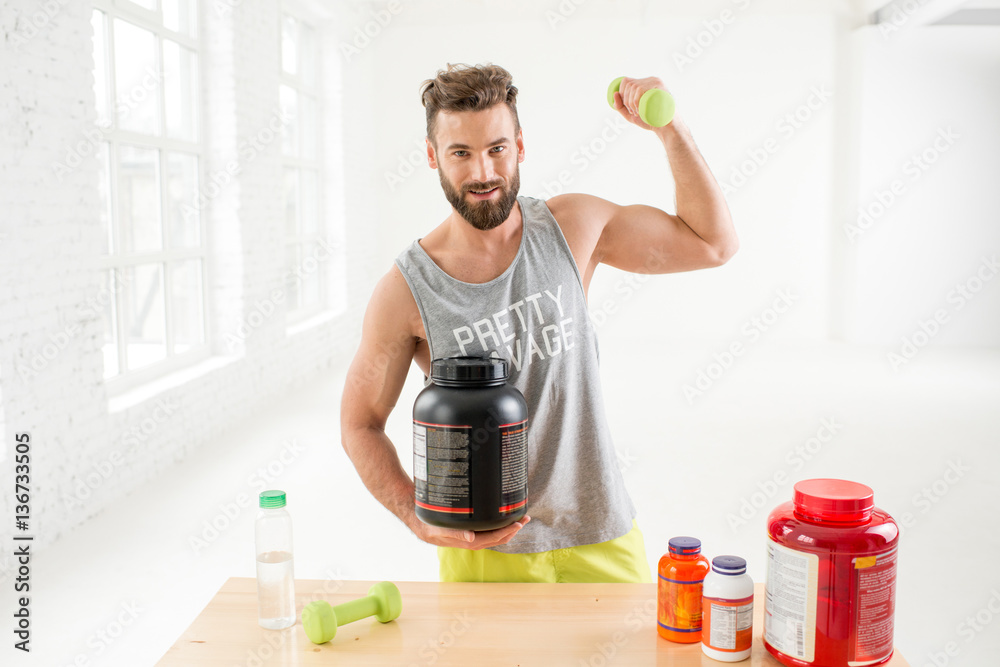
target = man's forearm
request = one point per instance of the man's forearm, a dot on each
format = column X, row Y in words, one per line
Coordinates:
column 700, row 203
column 376, row 461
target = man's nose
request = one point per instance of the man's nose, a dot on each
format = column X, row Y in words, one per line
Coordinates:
column 483, row 170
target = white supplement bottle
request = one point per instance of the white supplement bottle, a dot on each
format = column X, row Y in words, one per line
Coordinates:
column 727, row 610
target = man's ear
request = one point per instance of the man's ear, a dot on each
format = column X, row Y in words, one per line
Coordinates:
column 431, row 154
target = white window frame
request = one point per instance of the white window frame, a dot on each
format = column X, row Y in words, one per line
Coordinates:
column 315, row 163
column 114, row 261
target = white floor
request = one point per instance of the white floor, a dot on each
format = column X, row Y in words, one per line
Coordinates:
column 122, row 588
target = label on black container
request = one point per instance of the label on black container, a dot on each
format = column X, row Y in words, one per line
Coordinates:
column 514, row 458
column 441, row 467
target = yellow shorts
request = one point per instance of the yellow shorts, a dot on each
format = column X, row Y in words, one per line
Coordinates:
column 621, row 560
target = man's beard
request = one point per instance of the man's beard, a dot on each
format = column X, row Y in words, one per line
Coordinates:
column 485, row 214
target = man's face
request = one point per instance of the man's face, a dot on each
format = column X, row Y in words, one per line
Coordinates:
column 478, row 153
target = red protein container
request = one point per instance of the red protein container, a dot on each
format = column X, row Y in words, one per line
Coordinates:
column 830, row 594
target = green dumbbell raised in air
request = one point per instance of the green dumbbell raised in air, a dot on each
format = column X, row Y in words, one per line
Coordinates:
column 656, row 107
column 320, row 620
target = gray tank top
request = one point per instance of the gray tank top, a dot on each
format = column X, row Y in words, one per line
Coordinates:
column 535, row 316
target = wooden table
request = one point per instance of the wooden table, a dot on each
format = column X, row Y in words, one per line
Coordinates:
column 467, row 624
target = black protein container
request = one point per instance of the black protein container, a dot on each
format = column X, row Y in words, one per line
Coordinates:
column 470, row 446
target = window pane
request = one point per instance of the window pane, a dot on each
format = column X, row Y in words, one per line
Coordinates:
column 182, row 200
column 139, row 199
column 101, row 91
column 181, row 16
column 289, row 44
column 309, row 201
column 137, row 79
column 311, row 269
column 289, row 129
column 144, row 324
column 110, row 345
column 104, row 192
column 308, row 52
column 307, row 126
column 180, row 76
column 291, row 203
column 292, row 277
column 187, row 305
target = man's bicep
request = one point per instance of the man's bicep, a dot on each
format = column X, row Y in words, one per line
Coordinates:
column 645, row 239
column 378, row 372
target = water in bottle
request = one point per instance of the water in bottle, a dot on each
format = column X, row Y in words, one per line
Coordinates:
column 275, row 571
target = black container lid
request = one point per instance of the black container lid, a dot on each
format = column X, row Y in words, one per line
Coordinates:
column 460, row 370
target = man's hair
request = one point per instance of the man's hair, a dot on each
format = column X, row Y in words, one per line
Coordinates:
column 465, row 88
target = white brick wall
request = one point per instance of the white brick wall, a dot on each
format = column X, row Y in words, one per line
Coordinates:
column 86, row 454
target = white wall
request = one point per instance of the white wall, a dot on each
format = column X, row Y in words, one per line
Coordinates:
column 922, row 232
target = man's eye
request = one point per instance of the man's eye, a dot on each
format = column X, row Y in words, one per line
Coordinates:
column 459, row 153
column 498, row 148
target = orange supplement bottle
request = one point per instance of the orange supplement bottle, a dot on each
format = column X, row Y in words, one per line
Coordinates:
column 678, row 593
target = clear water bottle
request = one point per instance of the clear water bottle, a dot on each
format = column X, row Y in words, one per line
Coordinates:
column 275, row 574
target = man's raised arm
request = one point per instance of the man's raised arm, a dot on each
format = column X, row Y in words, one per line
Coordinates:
column 645, row 239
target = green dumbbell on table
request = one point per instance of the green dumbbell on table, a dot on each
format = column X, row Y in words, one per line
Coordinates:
column 656, row 107
column 320, row 620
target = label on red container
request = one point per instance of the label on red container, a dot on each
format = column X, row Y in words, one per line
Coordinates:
column 790, row 601
column 441, row 467
column 875, row 605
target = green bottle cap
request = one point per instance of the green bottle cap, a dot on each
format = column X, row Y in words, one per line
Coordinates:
column 270, row 499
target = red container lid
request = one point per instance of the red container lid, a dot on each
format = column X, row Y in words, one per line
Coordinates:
column 834, row 500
